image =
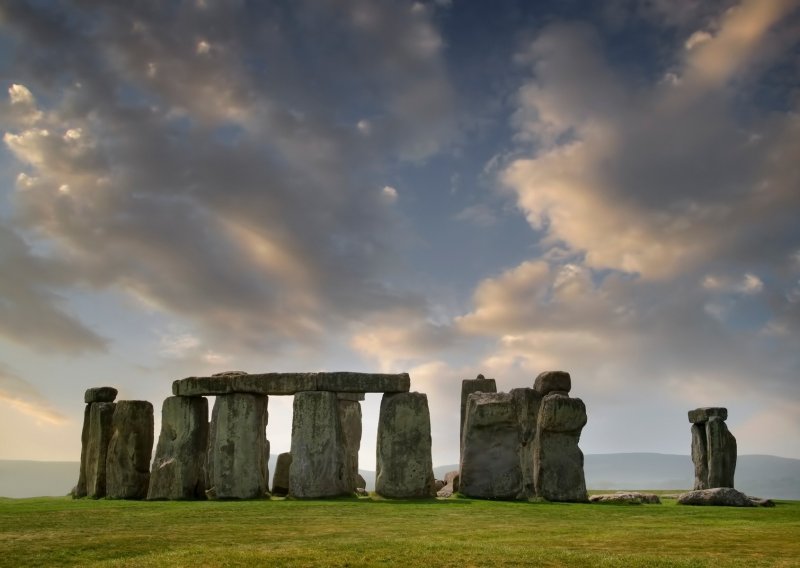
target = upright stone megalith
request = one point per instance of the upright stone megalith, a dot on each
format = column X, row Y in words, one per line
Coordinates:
column 319, row 460
column 129, row 450
column 490, row 464
column 558, row 461
column 238, row 450
column 280, row 480
column 350, row 419
column 100, row 417
column 178, row 470
column 713, row 448
column 404, row 462
column 469, row 386
column 527, row 402
column 91, row 396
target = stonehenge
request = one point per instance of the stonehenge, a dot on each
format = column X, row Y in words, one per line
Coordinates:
column 515, row 445
column 523, row 444
column 713, row 448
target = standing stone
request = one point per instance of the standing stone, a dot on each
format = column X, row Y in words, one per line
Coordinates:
column 404, row 462
column 100, row 416
column 469, row 386
column 558, row 461
column 721, row 453
column 490, row 463
column 350, row 419
column 129, row 451
column 713, row 448
column 527, row 402
column 80, row 488
column 238, row 450
column 280, row 481
column 699, row 456
column 319, row 463
column 179, row 466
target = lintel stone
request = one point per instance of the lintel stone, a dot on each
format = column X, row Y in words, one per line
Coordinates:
column 701, row 415
column 291, row 383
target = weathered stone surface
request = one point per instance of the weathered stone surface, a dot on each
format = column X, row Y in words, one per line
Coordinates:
column 129, row 451
column 701, row 415
column 721, row 450
column 558, row 461
column 720, row 496
column 291, row 383
column 699, row 456
column 490, row 465
column 357, row 396
column 350, row 419
column 100, row 416
column 178, row 470
column 361, row 483
column 319, row 462
column 100, row 394
column 280, row 481
column 438, row 484
column 80, row 488
column 626, row 498
column 238, row 449
column 550, row 381
column 404, row 462
column 469, row 386
column 562, row 414
column 527, row 402
column 451, row 484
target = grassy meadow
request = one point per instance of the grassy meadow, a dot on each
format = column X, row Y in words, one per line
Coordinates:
column 373, row 532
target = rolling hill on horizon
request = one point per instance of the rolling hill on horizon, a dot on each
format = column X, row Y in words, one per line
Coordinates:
column 760, row 475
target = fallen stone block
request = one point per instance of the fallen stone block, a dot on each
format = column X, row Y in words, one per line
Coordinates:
column 718, row 496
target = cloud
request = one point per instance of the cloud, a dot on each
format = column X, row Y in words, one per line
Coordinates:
column 389, row 193
column 480, row 215
column 22, row 395
column 198, row 161
column 654, row 179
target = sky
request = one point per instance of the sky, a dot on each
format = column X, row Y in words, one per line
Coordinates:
column 443, row 188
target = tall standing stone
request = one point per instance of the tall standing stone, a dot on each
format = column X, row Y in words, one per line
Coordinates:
column 319, row 462
column 100, row 417
column 129, row 450
column 469, row 386
column 280, row 480
column 527, row 402
column 700, row 456
column 238, row 450
column 350, row 419
column 80, row 488
column 92, row 395
column 490, row 464
column 558, row 461
column 404, row 462
column 713, row 448
column 179, row 466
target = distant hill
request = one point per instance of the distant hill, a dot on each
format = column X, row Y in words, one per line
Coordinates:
column 764, row 476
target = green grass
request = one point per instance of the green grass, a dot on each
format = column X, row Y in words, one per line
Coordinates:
column 372, row 532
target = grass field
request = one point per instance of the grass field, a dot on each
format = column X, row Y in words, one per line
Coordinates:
column 372, row 532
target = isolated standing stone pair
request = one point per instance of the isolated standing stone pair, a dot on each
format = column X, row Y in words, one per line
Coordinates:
column 117, row 440
column 713, row 448
column 524, row 443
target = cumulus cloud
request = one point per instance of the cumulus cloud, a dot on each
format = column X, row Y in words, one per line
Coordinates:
column 213, row 177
